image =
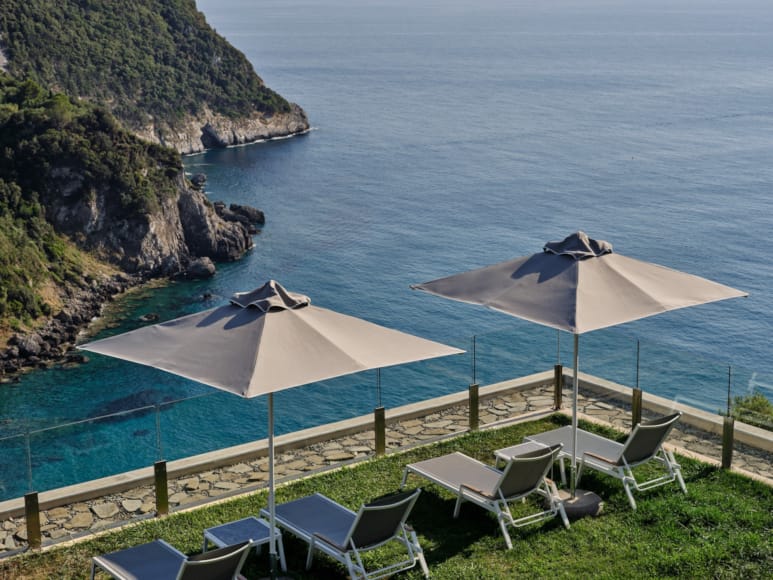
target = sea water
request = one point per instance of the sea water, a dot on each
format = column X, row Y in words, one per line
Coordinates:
column 447, row 136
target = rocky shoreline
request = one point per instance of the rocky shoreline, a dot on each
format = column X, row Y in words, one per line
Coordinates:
column 212, row 130
column 184, row 241
column 53, row 343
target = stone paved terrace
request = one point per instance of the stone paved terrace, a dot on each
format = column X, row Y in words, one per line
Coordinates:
column 83, row 518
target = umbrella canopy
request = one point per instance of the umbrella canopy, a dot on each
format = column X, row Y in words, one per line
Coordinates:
column 265, row 341
column 579, row 285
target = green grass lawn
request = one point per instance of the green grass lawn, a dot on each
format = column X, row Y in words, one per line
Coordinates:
column 722, row 529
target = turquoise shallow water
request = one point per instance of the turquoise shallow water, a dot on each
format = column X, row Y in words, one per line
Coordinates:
column 451, row 135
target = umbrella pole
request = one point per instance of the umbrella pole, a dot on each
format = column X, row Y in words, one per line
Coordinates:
column 575, row 389
column 587, row 503
column 271, row 503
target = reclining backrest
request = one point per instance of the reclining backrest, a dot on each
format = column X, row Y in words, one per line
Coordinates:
column 646, row 438
column 380, row 520
column 524, row 473
column 221, row 564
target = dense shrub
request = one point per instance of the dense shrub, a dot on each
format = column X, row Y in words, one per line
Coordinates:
column 755, row 409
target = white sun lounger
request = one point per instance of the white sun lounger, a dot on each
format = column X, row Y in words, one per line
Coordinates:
column 492, row 489
column 644, row 444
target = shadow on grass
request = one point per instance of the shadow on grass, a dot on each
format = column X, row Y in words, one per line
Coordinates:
column 445, row 537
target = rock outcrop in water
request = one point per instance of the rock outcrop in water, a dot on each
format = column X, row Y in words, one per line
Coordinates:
column 51, row 343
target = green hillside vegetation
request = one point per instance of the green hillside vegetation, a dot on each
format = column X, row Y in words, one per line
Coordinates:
column 143, row 58
column 44, row 135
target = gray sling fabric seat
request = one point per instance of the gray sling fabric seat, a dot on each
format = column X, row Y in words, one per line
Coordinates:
column 644, row 444
column 474, row 481
column 343, row 534
column 158, row 560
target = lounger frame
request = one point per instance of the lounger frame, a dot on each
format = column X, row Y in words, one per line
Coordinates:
column 644, row 444
column 362, row 525
column 137, row 563
column 495, row 499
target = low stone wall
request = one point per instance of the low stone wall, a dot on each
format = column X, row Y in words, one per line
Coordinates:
column 92, row 507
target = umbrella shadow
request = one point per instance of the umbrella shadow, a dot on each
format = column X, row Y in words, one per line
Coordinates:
column 545, row 266
column 234, row 317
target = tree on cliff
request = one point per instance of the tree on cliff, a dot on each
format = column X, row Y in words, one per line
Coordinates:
column 156, row 64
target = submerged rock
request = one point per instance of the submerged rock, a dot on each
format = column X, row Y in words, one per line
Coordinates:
column 200, row 269
column 198, row 180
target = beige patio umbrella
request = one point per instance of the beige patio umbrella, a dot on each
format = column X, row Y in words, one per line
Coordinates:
column 579, row 285
column 265, row 341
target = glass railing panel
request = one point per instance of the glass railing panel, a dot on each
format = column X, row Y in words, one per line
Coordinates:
column 751, row 399
column 15, row 476
column 659, row 370
column 751, row 403
column 89, row 449
column 209, row 421
column 423, row 380
column 610, row 357
column 515, row 351
column 684, row 378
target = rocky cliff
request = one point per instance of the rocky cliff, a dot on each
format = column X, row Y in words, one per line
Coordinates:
column 84, row 80
column 209, row 130
column 184, row 227
column 156, row 65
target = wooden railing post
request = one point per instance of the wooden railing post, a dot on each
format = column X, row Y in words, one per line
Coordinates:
column 32, row 516
column 558, row 386
column 162, row 488
column 380, row 430
column 636, row 406
column 728, row 432
column 474, row 404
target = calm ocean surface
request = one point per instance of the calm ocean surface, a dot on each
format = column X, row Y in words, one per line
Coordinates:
column 450, row 135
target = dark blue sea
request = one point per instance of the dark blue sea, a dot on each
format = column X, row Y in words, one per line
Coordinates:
column 449, row 135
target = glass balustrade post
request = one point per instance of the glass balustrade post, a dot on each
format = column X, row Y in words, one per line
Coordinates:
column 380, row 428
column 636, row 406
column 379, row 419
column 728, row 427
column 558, row 386
column 32, row 517
column 474, row 403
column 162, row 488
column 636, row 396
column 728, row 432
column 473, row 399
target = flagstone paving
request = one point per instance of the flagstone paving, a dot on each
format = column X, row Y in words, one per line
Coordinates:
column 87, row 517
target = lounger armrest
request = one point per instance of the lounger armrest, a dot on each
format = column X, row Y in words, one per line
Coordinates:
column 464, row 486
column 551, row 486
column 600, row 457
